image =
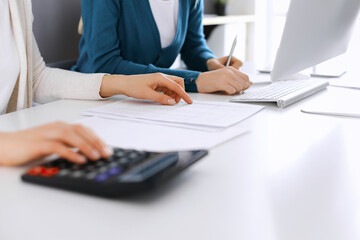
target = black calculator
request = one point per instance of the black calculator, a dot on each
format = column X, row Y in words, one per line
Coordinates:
column 126, row 172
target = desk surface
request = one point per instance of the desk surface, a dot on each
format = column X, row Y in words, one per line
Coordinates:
column 220, row 20
column 293, row 176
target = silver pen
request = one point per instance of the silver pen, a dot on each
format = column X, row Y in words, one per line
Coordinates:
column 231, row 52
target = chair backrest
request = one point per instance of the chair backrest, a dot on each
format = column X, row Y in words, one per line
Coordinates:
column 55, row 28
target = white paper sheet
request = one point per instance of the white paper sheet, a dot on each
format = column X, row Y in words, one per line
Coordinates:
column 347, row 81
column 179, row 125
column 150, row 137
column 209, row 114
column 342, row 102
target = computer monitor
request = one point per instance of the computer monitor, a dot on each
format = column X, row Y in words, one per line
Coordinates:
column 315, row 31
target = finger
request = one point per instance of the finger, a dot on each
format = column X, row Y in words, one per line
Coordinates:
column 176, row 88
column 94, row 141
column 237, row 81
column 172, row 95
column 64, row 152
column 238, row 85
column 159, row 97
column 240, row 75
column 236, row 63
column 248, row 86
column 228, row 89
column 72, row 138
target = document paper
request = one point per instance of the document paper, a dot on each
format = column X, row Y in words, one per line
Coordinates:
column 208, row 114
column 150, row 137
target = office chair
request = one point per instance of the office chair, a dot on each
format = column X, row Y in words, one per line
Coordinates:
column 55, row 29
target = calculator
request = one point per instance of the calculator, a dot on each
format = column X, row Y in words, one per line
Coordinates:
column 126, row 172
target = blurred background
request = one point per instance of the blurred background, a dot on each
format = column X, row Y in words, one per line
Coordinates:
column 56, row 23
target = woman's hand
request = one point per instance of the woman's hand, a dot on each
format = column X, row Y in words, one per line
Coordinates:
column 218, row 63
column 228, row 80
column 55, row 138
column 146, row 86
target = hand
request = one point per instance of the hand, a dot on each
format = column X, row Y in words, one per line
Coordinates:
column 55, row 138
column 228, row 80
column 218, row 63
column 147, row 86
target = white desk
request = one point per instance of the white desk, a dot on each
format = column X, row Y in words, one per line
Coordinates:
column 294, row 176
column 210, row 19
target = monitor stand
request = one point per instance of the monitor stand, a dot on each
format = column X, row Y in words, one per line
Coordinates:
column 334, row 73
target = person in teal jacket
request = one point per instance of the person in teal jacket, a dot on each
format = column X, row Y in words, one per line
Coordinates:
column 125, row 37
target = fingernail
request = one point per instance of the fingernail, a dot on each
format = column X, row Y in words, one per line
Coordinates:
column 109, row 152
column 171, row 101
column 95, row 154
column 81, row 159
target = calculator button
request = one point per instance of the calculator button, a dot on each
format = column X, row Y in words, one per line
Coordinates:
column 77, row 174
column 49, row 172
column 123, row 161
column 36, row 171
column 119, row 154
column 90, row 168
column 63, row 165
column 102, row 169
column 102, row 177
column 64, row 172
column 113, row 164
column 114, row 171
column 76, row 167
column 91, row 175
column 100, row 163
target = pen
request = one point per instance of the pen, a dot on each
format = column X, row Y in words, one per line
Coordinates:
column 231, row 52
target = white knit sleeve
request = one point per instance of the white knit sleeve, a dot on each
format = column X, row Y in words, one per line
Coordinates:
column 51, row 84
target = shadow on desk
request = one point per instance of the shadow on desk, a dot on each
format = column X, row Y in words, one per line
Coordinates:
column 163, row 190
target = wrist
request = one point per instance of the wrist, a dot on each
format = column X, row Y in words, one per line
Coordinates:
column 208, row 63
column 112, row 85
column 200, row 82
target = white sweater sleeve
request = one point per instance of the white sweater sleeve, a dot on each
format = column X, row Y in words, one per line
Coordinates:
column 50, row 84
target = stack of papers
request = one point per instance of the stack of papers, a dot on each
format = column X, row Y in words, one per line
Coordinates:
column 148, row 126
column 157, row 138
column 208, row 116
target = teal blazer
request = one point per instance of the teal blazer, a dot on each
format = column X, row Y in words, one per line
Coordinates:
column 121, row 37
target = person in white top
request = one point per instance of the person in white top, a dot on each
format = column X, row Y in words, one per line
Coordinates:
column 25, row 77
column 9, row 60
column 166, row 13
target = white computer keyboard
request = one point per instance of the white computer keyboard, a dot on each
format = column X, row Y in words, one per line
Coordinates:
column 283, row 93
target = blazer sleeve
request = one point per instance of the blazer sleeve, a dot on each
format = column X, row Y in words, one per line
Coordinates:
column 51, row 84
column 195, row 52
column 100, row 21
